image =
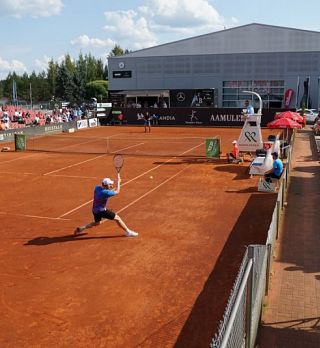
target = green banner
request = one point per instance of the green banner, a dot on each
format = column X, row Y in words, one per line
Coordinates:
column 20, row 142
column 213, row 148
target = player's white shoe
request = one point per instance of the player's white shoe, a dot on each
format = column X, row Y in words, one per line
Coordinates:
column 130, row 233
column 78, row 230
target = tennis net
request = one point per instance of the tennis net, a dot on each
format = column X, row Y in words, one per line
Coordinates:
column 129, row 145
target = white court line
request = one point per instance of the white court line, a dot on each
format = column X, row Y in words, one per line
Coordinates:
column 18, row 158
column 88, row 160
column 73, row 165
column 150, row 191
column 74, row 176
column 34, row 216
column 15, row 173
column 133, row 179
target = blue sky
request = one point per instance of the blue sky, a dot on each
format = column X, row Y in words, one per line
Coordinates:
column 34, row 31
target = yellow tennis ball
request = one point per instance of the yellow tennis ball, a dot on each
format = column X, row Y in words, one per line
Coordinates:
column 151, row 177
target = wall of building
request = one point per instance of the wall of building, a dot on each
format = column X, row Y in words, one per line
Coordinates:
column 210, row 71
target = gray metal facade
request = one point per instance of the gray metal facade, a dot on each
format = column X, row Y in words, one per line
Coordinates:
column 250, row 52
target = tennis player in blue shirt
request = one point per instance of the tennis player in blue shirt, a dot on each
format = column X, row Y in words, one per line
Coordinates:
column 276, row 170
column 100, row 198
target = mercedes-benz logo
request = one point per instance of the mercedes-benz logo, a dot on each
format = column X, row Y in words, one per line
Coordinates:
column 181, row 96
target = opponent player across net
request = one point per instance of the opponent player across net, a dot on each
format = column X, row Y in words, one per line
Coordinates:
column 101, row 195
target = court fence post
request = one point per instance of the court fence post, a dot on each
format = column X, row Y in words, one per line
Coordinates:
column 249, row 299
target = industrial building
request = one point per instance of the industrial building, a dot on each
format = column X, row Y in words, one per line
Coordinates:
column 281, row 64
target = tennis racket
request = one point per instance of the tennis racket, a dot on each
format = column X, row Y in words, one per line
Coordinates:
column 118, row 163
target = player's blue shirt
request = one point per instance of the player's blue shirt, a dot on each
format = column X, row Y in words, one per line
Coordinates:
column 100, row 198
column 277, row 167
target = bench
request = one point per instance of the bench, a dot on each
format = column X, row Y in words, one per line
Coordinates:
column 270, row 186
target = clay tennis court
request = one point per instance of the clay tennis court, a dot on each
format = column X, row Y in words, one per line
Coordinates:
column 166, row 288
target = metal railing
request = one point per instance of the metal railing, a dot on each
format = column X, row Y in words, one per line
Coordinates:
column 239, row 326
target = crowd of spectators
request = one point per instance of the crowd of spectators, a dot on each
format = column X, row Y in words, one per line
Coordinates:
column 13, row 117
column 161, row 103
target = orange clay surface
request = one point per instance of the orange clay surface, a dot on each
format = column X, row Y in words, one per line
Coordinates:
column 166, row 288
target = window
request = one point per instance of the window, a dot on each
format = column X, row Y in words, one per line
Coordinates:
column 271, row 92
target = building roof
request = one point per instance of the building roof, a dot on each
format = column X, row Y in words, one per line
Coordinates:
column 250, row 38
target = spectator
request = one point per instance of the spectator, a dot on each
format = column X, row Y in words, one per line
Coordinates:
column 5, row 120
column 276, row 170
column 36, row 120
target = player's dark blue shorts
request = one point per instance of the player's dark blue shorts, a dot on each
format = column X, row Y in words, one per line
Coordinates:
column 106, row 214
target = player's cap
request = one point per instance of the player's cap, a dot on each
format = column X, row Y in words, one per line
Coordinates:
column 234, row 142
column 107, row 181
column 275, row 154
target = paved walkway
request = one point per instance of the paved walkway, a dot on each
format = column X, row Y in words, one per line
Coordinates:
column 291, row 318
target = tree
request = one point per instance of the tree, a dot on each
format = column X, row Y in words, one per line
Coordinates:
column 67, row 80
column 64, row 84
column 118, row 51
column 97, row 89
column 52, row 72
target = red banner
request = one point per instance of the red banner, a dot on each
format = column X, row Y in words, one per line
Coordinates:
column 287, row 97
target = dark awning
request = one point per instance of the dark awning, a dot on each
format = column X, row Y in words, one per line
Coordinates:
column 145, row 93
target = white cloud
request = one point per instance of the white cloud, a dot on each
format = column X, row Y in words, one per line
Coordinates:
column 195, row 14
column 42, row 64
column 130, row 29
column 84, row 41
column 11, row 66
column 33, row 8
column 160, row 21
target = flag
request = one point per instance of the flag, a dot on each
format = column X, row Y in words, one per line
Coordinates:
column 14, row 93
column 30, row 93
column 297, row 95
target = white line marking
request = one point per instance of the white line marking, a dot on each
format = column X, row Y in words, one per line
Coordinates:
column 74, row 176
column 88, row 160
column 74, row 165
column 147, row 193
column 34, row 216
column 133, row 179
column 128, row 147
column 16, row 173
column 18, row 158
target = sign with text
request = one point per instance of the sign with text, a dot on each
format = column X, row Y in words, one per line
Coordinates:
column 93, row 122
column 213, row 148
column 81, row 124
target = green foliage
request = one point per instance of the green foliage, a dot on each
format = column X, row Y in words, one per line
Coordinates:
column 71, row 80
column 118, row 51
column 303, row 107
column 97, row 89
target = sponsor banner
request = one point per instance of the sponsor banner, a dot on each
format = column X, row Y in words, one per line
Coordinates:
column 93, row 122
column 287, row 97
column 53, row 128
column 214, row 117
column 37, row 130
column 81, row 124
column 213, row 148
column 104, row 105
